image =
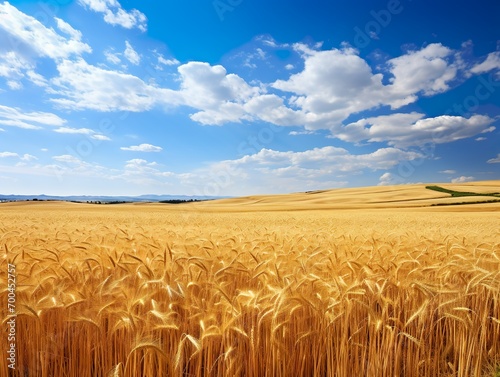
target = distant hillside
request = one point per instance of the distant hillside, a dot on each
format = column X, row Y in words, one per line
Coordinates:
column 107, row 199
column 475, row 194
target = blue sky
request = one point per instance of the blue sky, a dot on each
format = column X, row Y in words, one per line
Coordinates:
column 240, row 97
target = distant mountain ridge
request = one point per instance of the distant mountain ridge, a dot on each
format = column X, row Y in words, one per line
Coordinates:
column 104, row 198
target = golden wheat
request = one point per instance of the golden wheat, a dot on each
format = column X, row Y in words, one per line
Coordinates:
column 152, row 291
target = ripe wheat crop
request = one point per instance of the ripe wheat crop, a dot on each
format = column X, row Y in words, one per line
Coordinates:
column 153, row 291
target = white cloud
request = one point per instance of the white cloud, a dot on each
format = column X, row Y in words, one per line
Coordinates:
column 74, row 166
column 268, row 171
column 141, row 164
column 28, row 157
column 29, row 39
column 413, row 129
column 24, row 157
column 15, row 67
column 114, row 14
column 81, row 131
column 495, row 160
column 14, row 85
column 219, row 96
column 289, row 67
column 448, row 171
column 271, row 171
column 100, row 137
column 163, row 61
column 8, row 154
column 12, row 65
column 480, row 139
column 67, row 158
column 428, row 70
column 112, row 57
column 462, row 179
column 297, row 133
column 68, row 29
column 335, row 84
column 83, row 86
column 142, row 148
column 79, row 85
column 386, row 179
column 36, row 78
column 10, row 116
column 330, row 158
column 28, row 34
column 271, row 108
column 490, row 63
column 130, row 54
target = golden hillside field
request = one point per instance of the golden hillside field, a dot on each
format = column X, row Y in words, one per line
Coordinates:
column 350, row 282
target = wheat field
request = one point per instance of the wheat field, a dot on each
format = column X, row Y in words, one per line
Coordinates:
column 261, row 286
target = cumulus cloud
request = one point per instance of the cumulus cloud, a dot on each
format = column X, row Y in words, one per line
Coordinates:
column 272, row 109
column 8, row 154
column 495, row 160
column 31, row 35
column 67, row 158
column 462, row 179
column 332, row 85
column 142, row 148
column 82, row 86
column 337, row 83
column 130, row 54
column 112, row 57
column 30, row 40
column 14, row 85
column 36, row 78
column 14, row 67
column 491, row 62
column 412, row 129
column 28, row 157
column 14, row 117
column 286, row 171
column 79, row 84
column 68, row 29
column 220, row 96
column 329, row 158
column 82, row 131
column 114, row 14
column 163, row 61
column 386, row 179
column 428, row 70
column 25, row 157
